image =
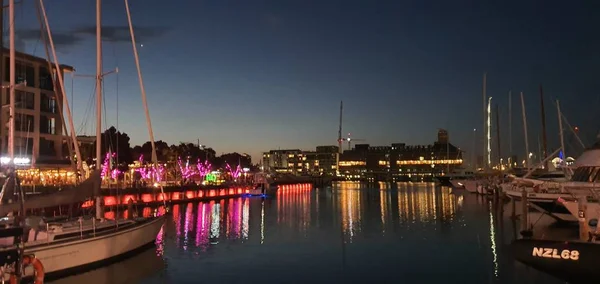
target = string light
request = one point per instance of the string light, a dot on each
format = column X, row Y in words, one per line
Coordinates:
column 186, row 171
column 203, row 168
column 150, row 173
column 106, row 165
column 234, row 173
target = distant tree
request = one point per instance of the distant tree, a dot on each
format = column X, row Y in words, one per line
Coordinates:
column 162, row 151
column 233, row 159
column 116, row 142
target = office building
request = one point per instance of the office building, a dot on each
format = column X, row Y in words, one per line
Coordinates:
column 38, row 121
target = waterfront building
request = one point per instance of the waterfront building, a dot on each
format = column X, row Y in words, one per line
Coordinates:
column 321, row 162
column 400, row 162
column 39, row 133
column 283, row 161
column 38, row 123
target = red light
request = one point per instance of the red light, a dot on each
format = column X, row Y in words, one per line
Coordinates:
column 128, row 197
column 147, row 198
column 109, row 215
column 189, row 194
column 110, row 200
column 87, row 204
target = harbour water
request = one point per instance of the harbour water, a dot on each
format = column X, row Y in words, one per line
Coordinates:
column 409, row 233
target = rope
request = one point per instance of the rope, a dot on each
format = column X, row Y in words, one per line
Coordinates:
column 91, row 103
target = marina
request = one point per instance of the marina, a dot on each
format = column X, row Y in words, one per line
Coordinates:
column 205, row 150
column 393, row 231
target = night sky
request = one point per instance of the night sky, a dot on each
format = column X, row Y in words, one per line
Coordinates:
column 250, row 76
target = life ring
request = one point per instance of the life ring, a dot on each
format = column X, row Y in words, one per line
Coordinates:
column 38, row 267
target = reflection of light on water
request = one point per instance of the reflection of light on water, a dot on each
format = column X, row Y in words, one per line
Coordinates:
column 202, row 223
column 215, row 219
column 383, row 204
column 233, row 220
column 419, row 202
column 188, row 226
column 493, row 239
column 460, row 201
column 293, row 206
column 262, row 222
column 160, row 249
column 245, row 218
column 177, row 220
column 350, row 209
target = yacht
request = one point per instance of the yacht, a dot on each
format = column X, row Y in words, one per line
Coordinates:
column 558, row 198
column 69, row 245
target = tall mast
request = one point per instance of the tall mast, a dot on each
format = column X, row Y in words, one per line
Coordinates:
column 510, row 151
column 340, row 127
column 11, row 82
column 560, row 129
column 525, row 132
column 485, row 164
column 61, row 83
column 448, row 152
column 143, row 91
column 544, row 142
column 489, row 132
column 498, row 134
column 98, row 98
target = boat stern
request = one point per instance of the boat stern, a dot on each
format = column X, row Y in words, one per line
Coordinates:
column 571, row 261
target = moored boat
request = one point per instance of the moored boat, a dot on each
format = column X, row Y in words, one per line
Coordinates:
column 572, row 261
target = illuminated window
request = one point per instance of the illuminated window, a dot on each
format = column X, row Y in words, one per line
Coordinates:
column 429, row 162
column 352, row 163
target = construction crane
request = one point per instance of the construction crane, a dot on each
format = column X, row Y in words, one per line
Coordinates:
column 350, row 139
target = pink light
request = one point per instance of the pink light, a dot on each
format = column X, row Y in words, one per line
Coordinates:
column 150, row 173
column 114, row 174
column 159, row 172
column 234, row 173
column 186, row 171
column 203, row 168
column 106, row 167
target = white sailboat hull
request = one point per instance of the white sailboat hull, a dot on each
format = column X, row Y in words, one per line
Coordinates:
column 545, row 203
column 78, row 253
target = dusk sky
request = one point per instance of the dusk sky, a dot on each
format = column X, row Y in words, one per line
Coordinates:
column 249, row 76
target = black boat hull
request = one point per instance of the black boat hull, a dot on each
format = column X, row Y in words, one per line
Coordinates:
column 444, row 180
column 571, row 261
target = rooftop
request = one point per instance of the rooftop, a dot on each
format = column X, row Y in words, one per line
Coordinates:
column 30, row 57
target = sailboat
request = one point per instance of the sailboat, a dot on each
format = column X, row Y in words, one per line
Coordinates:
column 67, row 246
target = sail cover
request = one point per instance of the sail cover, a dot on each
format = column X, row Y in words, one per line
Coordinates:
column 79, row 193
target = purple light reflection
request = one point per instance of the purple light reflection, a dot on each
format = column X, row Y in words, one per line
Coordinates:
column 188, row 225
column 203, row 225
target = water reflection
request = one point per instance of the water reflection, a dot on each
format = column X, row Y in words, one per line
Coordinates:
column 402, row 204
column 214, row 224
column 350, row 204
column 293, row 207
column 131, row 270
column 387, row 229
